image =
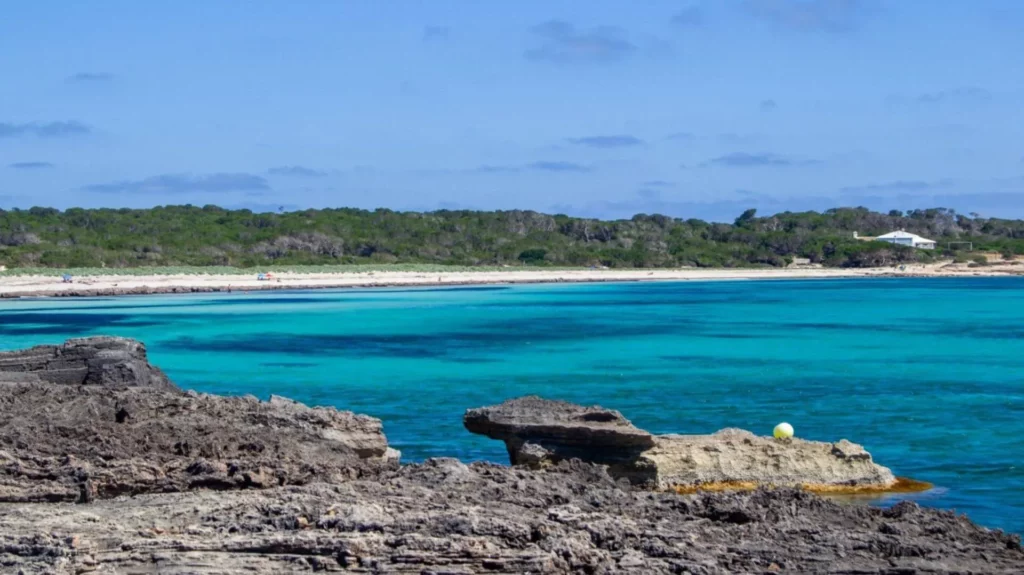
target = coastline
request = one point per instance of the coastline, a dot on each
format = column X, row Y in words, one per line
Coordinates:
column 15, row 286
column 156, row 478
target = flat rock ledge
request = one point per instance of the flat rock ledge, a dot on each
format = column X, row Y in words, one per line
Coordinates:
column 93, row 419
column 539, row 433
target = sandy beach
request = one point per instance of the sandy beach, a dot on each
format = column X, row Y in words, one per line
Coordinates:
column 104, row 285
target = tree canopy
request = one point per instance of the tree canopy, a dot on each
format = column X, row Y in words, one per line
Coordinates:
column 209, row 235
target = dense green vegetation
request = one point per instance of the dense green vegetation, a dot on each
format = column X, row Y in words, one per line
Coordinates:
column 212, row 236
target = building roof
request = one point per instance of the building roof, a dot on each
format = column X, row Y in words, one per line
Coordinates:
column 902, row 235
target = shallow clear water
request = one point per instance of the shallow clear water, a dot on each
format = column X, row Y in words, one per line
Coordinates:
column 928, row 374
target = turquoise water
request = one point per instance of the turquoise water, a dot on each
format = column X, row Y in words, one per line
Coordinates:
column 928, row 374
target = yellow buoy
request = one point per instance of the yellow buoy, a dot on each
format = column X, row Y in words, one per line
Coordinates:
column 783, row 431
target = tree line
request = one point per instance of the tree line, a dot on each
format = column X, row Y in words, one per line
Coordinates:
column 210, row 235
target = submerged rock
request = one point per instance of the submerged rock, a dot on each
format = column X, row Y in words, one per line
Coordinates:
column 540, row 432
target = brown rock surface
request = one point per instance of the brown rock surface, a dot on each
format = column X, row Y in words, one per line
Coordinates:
column 117, row 426
column 113, row 361
column 540, row 432
column 183, row 483
column 740, row 457
column 447, row 517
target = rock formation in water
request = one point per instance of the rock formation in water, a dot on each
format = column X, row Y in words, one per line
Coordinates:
column 109, row 361
column 738, row 458
column 540, row 432
column 92, row 418
column 141, row 478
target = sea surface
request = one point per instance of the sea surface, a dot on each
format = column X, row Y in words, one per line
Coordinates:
column 927, row 374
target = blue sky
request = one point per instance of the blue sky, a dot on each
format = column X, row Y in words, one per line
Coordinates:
column 596, row 108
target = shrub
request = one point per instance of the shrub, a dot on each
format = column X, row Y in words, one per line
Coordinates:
column 533, row 256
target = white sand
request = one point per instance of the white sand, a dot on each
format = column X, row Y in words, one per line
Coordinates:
column 112, row 284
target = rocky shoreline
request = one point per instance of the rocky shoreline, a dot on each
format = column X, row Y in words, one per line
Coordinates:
column 107, row 467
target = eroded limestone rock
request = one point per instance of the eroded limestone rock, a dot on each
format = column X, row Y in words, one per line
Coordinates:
column 237, row 485
column 443, row 516
column 110, row 361
column 540, row 432
column 738, row 457
column 92, row 419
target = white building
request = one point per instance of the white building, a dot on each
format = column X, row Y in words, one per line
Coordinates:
column 907, row 239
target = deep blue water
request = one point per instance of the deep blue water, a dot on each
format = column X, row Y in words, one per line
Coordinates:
column 928, row 374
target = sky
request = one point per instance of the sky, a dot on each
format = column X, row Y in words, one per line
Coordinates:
column 590, row 108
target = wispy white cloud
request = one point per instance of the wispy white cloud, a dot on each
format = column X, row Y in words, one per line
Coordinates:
column 31, row 166
column 43, row 129
column 184, row 183
column 760, row 160
column 833, row 16
column 562, row 43
column 616, row 141
column 296, row 171
column 90, row 78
